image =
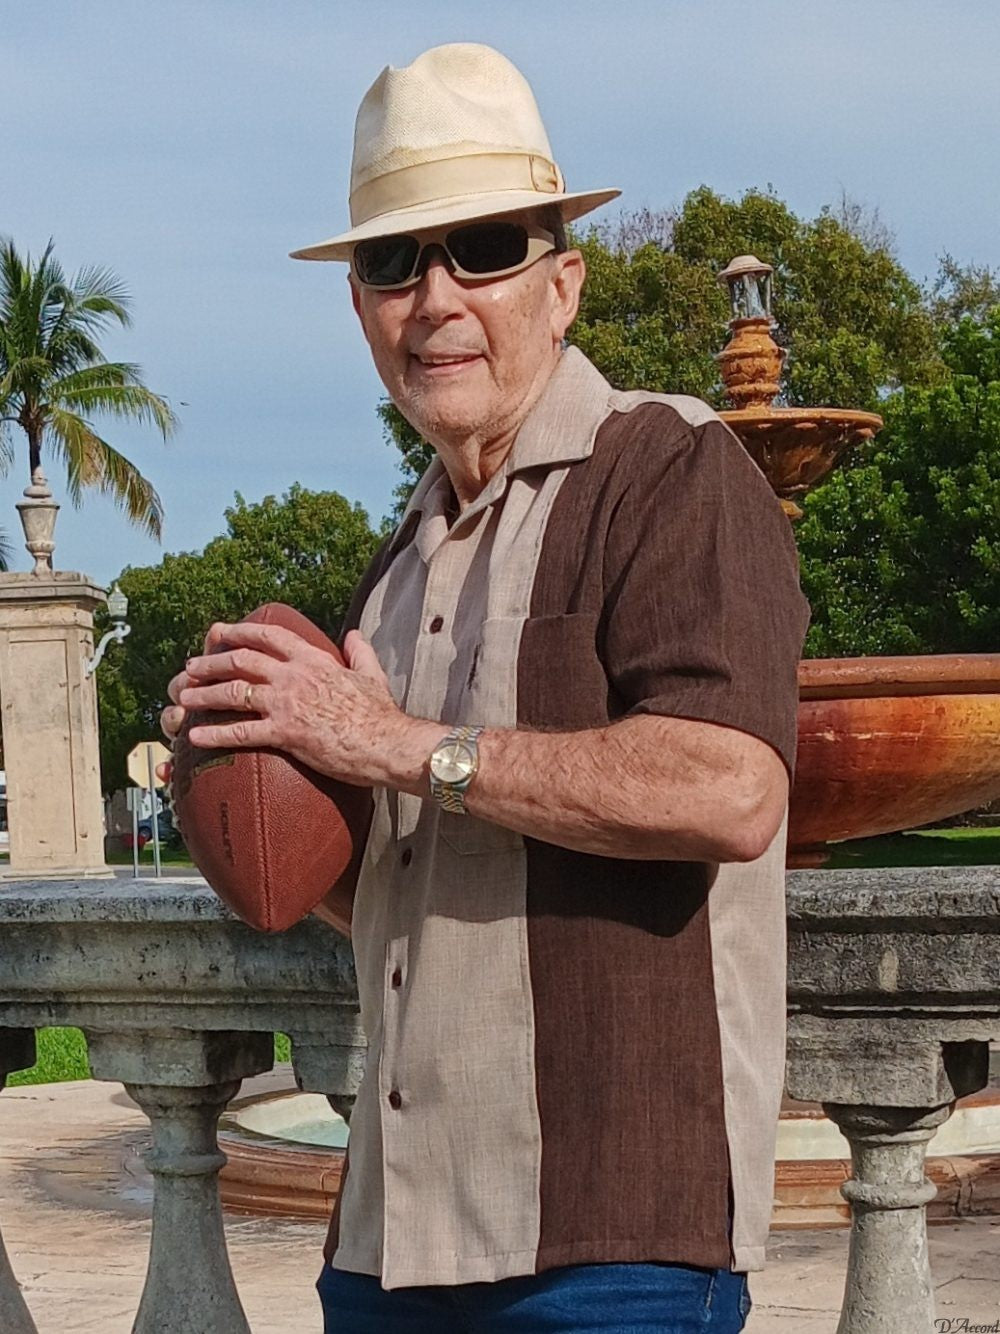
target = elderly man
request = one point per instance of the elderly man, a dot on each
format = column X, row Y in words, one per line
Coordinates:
column 571, row 683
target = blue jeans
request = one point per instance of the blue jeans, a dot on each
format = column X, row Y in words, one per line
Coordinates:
column 578, row 1299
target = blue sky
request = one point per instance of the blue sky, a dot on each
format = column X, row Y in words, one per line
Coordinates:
column 192, row 145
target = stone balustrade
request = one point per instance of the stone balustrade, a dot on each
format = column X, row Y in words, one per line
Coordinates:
column 894, row 989
column 894, row 997
column 178, row 1001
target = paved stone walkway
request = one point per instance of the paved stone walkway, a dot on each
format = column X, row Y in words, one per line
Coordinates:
column 74, row 1208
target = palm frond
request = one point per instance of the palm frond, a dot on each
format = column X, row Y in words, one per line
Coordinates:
column 99, row 293
column 6, row 449
column 84, row 392
column 21, row 375
column 92, row 462
column 6, row 551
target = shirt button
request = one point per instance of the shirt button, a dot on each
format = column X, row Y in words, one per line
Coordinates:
column 397, row 977
column 407, row 856
column 436, row 624
column 395, row 1101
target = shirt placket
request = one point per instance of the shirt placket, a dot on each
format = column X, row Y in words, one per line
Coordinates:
column 448, row 560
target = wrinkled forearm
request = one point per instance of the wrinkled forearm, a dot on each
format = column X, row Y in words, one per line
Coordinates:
column 648, row 787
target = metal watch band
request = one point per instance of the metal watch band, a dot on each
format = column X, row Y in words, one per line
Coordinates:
column 451, row 796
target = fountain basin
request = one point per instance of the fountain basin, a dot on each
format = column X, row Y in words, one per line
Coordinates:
column 891, row 743
column 796, row 447
column 284, row 1155
column 285, row 1159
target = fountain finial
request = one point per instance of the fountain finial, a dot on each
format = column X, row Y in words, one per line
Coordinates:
column 751, row 362
column 793, row 447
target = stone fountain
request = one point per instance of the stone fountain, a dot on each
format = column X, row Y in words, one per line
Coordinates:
column 884, row 743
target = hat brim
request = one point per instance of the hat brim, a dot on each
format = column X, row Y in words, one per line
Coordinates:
column 463, row 208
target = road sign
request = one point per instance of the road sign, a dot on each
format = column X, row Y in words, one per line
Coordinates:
column 142, row 761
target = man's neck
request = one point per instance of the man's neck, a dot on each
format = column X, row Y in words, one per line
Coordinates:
column 471, row 462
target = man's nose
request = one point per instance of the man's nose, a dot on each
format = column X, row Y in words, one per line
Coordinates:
column 438, row 295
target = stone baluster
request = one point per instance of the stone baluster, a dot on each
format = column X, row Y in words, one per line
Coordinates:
column 17, row 1052
column 182, row 1081
column 332, row 1061
column 888, row 1285
column 888, row 1087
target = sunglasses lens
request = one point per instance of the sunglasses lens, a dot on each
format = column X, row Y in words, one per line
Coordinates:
column 488, row 247
column 385, row 261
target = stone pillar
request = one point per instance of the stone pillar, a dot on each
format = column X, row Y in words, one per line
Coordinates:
column 332, row 1061
column 50, row 739
column 17, row 1052
column 888, row 1283
column 888, row 1086
column 182, row 1081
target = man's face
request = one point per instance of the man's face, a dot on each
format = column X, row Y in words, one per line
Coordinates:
column 464, row 361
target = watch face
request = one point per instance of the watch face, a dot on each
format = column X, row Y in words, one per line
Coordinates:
column 453, row 762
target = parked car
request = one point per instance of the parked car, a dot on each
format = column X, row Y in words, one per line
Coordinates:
column 170, row 835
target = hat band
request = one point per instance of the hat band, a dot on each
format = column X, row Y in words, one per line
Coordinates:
column 434, row 182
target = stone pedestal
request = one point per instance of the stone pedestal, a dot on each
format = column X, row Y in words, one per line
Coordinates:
column 888, row 1085
column 50, row 738
column 182, row 1081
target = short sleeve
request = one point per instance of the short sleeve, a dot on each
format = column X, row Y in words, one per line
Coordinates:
column 703, row 615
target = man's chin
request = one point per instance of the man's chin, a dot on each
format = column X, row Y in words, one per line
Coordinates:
column 441, row 416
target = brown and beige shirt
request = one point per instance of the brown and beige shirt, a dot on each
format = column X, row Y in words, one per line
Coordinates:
column 573, row 1058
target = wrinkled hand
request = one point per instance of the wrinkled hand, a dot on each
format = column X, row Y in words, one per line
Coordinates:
column 172, row 719
column 339, row 720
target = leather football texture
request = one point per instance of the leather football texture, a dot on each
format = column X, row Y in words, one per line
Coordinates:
column 271, row 836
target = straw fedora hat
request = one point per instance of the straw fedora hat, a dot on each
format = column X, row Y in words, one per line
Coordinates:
column 453, row 137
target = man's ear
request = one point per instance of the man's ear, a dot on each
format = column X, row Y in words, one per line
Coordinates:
column 567, row 284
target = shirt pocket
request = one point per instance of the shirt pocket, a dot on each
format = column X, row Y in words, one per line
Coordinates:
column 562, row 685
column 541, row 674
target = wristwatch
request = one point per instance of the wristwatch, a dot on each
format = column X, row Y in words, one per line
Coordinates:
column 453, row 763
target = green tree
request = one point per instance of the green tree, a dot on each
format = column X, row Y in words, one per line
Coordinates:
column 308, row 549
column 653, row 314
column 901, row 553
column 54, row 378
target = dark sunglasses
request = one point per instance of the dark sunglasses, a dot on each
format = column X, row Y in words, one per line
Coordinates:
column 475, row 251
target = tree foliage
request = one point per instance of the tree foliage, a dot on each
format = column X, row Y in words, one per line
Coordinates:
column 654, row 315
column 901, row 553
column 54, row 379
column 308, row 549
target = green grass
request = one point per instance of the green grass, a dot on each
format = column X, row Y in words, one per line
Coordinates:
column 168, row 857
column 62, row 1054
column 921, row 847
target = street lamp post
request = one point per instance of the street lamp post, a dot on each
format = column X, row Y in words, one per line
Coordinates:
column 118, row 611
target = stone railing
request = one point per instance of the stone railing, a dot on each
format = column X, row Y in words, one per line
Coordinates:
column 894, row 997
column 179, row 1002
column 894, row 983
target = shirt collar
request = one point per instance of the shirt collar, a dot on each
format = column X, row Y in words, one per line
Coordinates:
column 562, row 426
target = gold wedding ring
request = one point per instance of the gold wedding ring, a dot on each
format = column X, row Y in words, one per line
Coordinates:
column 248, row 698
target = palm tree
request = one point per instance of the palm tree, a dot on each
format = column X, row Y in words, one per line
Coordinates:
column 54, row 377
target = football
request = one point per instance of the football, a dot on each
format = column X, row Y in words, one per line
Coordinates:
column 271, row 836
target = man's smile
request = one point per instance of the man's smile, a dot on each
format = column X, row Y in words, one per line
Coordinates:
column 443, row 365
